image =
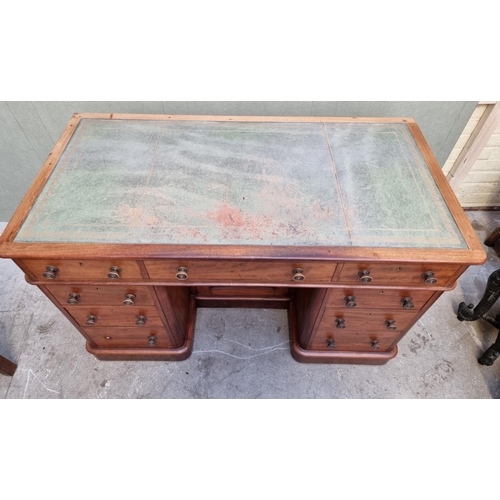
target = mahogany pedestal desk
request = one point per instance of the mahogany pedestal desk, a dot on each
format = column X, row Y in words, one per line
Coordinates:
column 135, row 221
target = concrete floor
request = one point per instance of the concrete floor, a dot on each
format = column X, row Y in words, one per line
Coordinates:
column 241, row 353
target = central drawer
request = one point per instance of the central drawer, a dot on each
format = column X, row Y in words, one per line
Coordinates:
column 97, row 316
column 242, row 291
column 232, row 271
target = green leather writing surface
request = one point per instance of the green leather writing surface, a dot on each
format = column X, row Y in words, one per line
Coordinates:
column 388, row 194
column 192, row 182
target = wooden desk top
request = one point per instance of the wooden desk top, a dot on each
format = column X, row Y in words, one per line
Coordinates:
column 234, row 182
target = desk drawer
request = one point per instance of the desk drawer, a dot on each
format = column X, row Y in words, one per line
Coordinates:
column 370, row 298
column 370, row 321
column 54, row 270
column 241, row 271
column 398, row 274
column 129, row 337
column 101, row 295
column 100, row 316
column 354, row 341
column 242, row 291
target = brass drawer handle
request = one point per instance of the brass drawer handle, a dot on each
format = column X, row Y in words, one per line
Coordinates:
column 141, row 320
column 152, row 340
column 407, row 303
column 391, row 324
column 182, row 273
column 114, row 272
column 91, row 319
column 129, row 299
column 350, row 301
column 375, row 345
column 73, row 298
column 340, row 323
column 330, row 343
column 298, row 274
column 50, row 272
column 364, row 276
column 429, row 278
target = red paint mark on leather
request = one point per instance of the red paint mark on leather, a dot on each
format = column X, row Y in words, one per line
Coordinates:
column 237, row 224
column 227, row 215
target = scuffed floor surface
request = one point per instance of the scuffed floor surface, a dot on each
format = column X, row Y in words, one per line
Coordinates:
column 245, row 353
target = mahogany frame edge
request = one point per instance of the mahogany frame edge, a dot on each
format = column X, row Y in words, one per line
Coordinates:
column 244, row 118
column 138, row 251
column 450, row 198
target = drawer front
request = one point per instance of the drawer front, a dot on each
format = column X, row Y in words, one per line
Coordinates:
column 242, row 291
column 354, row 341
column 242, row 271
column 101, row 295
column 369, row 298
column 55, row 270
column 129, row 337
column 370, row 321
column 100, row 316
column 397, row 274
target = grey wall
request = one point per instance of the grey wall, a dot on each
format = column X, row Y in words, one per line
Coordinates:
column 29, row 130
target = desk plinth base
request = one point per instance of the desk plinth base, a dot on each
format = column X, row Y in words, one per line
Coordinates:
column 119, row 354
column 341, row 357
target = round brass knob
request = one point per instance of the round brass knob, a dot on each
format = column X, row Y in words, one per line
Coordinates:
column 364, row 276
column 107, row 338
column 340, row 323
column 407, row 303
column 330, row 343
column 182, row 273
column 73, row 298
column 298, row 274
column 141, row 320
column 152, row 340
column 391, row 324
column 350, row 301
column 129, row 299
column 429, row 278
column 375, row 345
column 114, row 272
column 50, row 272
column 91, row 319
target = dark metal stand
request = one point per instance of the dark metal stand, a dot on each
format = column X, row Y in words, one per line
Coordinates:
column 490, row 296
column 492, row 238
